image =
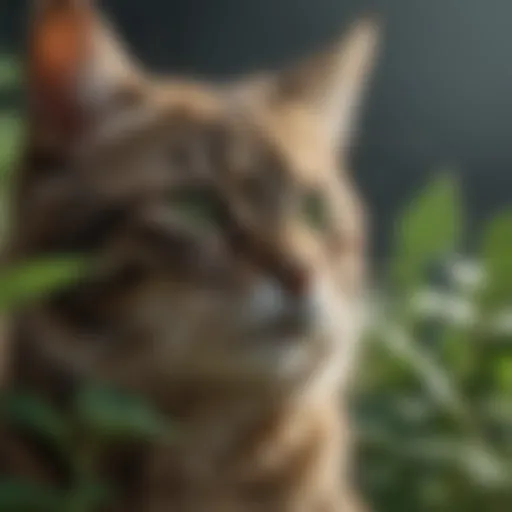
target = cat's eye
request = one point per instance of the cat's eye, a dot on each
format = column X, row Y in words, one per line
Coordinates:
column 197, row 205
column 315, row 210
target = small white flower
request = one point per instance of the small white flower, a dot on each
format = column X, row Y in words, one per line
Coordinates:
column 460, row 312
column 431, row 303
column 467, row 275
column 501, row 324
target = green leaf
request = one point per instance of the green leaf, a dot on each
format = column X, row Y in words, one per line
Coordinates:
column 108, row 414
column 10, row 135
column 87, row 496
column 459, row 356
column 18, row 496
column 436, row 379
column 497, row 259
column 31, row 280
column 32, row 414
column 503, row 372
column 10, row 72
column 429, row 228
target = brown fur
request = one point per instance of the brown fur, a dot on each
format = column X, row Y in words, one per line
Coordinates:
column 173, row 311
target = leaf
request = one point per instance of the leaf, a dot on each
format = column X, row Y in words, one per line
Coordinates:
column 111, row 415
column 435, row 379
column 429, row 228
column 10, row 134
column 503, row 372
column 496, row 256
column 88, row 496
column 9, row 72
column 18, row 496
column 31, row 280
column 477, row 462
column 459, row 355
column 31, row 414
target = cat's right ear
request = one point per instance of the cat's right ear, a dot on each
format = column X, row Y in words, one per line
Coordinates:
column 330, row 83
column 76, row 70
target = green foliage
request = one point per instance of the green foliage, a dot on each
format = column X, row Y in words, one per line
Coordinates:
column 108, row 415
column 9, row 72
column 10, row 134
column 10, row 121
column 30, row 414
column 434, row 400
column 19, row 496
column 497, row 258
column 428, row 229
column 28, row 281
column 98, row 419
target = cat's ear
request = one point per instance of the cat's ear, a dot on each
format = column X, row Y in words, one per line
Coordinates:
column 76, row 69
column 330, row 83
column 333, row 82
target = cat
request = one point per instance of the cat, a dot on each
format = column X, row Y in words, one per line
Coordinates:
column 229, row 250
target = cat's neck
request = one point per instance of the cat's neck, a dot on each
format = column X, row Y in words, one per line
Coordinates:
column 240, row 447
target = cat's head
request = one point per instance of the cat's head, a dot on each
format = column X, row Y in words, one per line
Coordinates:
column 251, row 167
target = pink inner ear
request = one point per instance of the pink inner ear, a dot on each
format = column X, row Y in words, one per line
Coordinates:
column 58, row 49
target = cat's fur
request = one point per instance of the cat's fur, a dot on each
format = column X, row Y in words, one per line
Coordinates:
column 240, row 324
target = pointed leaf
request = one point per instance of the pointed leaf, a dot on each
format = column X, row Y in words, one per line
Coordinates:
column 18, row 496
column 27, row 281
column 112, row 415
column 497, row 259
column 32, row 414
column 429, row 228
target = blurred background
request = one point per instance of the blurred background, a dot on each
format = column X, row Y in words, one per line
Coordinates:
column 434, row 164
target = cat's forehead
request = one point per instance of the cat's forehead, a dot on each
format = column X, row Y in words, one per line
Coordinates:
column 201, row 120
column 250, row 135
column 195, row 100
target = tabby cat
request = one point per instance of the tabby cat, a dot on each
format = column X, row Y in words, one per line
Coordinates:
column 229, row 252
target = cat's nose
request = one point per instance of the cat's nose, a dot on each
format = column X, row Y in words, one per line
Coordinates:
column 296, row 280
column 292, row 274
